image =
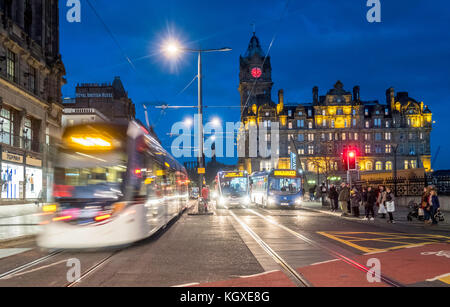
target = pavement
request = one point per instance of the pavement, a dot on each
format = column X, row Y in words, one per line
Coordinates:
column 400, row 217
column 19, row 221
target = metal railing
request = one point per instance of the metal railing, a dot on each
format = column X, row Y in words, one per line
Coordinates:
column 20, row 142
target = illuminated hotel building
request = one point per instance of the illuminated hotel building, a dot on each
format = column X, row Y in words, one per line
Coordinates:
column 320, row 131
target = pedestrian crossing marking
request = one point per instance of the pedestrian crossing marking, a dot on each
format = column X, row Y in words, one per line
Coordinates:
column 365, row 241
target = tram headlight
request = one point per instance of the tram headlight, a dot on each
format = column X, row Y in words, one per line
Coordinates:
column 299, row 201
column 247, row 201
column 272, row 200
column 222, row 201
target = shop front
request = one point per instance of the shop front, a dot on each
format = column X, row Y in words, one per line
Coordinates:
column 21, row 178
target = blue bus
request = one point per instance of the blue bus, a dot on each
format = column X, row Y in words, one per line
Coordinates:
column 277, row 188
column 232, row 189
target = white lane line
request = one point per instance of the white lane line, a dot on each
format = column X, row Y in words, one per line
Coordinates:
column 259, row 275
column 439, row 277
column 186, row 285
column 325, row 262
column 8, row 252
column 35, row 270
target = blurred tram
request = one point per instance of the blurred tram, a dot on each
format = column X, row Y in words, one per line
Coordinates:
column 114, row 185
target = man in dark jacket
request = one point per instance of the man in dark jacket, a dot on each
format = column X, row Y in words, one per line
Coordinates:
column 370, row 204
column 333, row 195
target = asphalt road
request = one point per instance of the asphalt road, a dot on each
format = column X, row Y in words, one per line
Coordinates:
column 250, row 248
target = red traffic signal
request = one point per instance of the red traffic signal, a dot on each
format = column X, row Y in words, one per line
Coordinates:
column 350, row 159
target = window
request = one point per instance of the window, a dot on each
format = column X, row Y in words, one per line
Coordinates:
column 389, row 166
column 300, row 113
column 366, row 112
column 6, row 121
column 310, row 150
column 290, row 126
column 290, row 113
column 368, row 149
column 386, row 112
column 332, row 123
column 388, row 124
column 354, row 123
column 301, row 151
column 367, row 124
column 377, row 122
column 11, row 65
column 301, row 123
column 27, row 133
column 367, row 137
column 356, row 137
column 311, row 137
column 32, row 80
column 413, row 163
column 387, row 136
column 310, row 125
column 369, row 166
column 344, row 136
column 324, row 123
column 378, row 149
column 324, row 113
column 377, row 136
column 301, row 137
column 379, row 166
column 406, row 165
column 388, row 149
column 310, row 113
column 340, row 112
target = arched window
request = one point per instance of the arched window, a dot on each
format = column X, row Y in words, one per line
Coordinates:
column 379, row 166
column 369, row 166
column 389, row 166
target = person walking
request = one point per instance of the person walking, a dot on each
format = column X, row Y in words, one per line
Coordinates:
column 355, row 200
column 432, row 209
column 381, row 202
column 390, row 205
column 333, row 195
column 344, row 198
column 370, row 204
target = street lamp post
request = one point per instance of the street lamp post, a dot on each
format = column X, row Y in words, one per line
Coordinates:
column 174, row 49
column 395, row 150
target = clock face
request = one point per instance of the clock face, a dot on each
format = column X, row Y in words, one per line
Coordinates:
column 256, row 72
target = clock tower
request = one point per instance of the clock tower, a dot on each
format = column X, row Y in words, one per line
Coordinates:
column 255, row 78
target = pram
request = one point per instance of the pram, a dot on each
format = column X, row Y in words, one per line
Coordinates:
column 416, row 212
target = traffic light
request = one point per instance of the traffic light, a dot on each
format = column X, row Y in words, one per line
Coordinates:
column 352, row 160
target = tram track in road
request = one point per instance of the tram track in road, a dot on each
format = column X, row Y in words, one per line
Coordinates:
column 29, row 265
column 92, row 269
column 296, row 277
column 326, row 249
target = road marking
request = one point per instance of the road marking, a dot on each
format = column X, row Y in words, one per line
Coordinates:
column 187, row 285
column 8, row 252
column 35, row 270
column 260, row 274
column 444, row 278
column 399, row 240
column 325, row 262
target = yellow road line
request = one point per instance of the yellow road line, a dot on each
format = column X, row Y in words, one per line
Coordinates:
column 361, row 248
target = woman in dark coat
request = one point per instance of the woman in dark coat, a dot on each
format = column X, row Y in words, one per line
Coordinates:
column 355, row 200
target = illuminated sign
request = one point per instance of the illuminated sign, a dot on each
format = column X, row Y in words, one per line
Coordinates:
column 90, row 142
column 285, row 173
column 201, row 171
column 234, row 175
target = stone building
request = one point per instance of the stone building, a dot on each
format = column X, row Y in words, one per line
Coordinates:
column 320, row 131
column 108, row 100
column 31, row 77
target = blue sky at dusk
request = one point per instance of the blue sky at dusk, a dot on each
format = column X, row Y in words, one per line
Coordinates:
column 314, row 43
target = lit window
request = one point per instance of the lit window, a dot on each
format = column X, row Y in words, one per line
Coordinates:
column 311, row 150
column 368, row 149
column 379, row 166
column 11, row 60
column 389, row 166
column 369, row 166
column 388, row 149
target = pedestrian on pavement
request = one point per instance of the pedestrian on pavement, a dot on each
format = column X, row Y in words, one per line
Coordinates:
column 205, row 196
column 370, row 204
column 432, row 208
column 355, row 200
column 333, row 195
column 381, row 201
column 349, row 205
column 312, row 190
column 344, row 198
column 323, row 193
column 390, row 205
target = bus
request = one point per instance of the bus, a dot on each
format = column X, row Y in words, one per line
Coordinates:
column 232, row 189
column 277, row 188
column 114, row 185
